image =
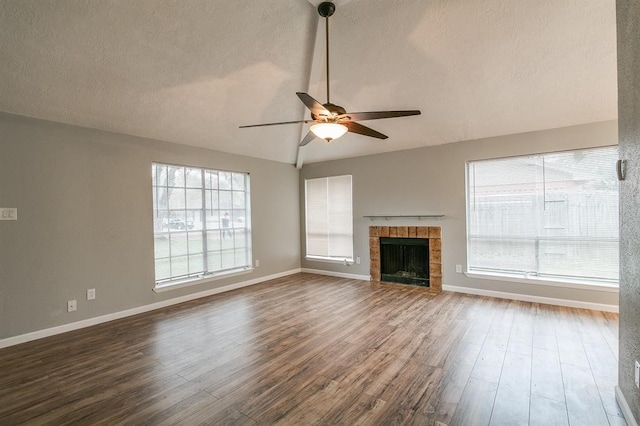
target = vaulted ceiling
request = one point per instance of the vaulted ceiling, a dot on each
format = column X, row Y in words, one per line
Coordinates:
column 192, row 71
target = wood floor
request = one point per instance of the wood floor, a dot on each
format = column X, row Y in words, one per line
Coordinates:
column 309, row 349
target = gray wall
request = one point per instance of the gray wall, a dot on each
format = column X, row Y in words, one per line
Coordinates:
column 628, row 17
column 432, row 180
column 85, row 221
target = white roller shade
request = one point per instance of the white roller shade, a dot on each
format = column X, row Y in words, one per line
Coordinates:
column 329, row 217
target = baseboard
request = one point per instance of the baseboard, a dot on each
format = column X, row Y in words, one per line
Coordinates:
column 624, row 406
column 337, row 274
column 535, row 299
column 23, row 338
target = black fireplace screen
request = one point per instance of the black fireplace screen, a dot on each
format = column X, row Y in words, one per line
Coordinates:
column 405, row 260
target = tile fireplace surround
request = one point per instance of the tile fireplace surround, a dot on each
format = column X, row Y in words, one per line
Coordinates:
column 433, row 233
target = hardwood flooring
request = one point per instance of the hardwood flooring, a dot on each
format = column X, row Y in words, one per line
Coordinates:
column 309, row 349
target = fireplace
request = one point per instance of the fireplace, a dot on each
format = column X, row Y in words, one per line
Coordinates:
column 405, row 260
column 432, row 236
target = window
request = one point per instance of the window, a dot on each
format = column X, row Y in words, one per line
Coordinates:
column 201, row 221
column 550, row 216
column 329, row 220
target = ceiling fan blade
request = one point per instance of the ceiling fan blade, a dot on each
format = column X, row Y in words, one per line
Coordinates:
column 308, row 138
column 277, row 124
column 313, row 105
column 376, row 115
column 363, row 130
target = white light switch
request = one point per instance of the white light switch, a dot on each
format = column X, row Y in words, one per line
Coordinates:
column 7, row 213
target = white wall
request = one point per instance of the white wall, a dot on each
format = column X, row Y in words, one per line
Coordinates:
column 432, row 180
column 85, row 221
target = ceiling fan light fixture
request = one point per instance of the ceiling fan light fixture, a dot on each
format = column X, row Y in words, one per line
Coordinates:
column 328, row 131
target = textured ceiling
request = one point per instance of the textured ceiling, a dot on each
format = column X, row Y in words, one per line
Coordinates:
column 192, row 71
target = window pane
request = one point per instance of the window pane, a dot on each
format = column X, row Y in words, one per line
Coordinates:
column 506, row 196
column 225, row 224
column 160, row 199
column 176, row 198
column 238, row 182
column 188, row 200
column 340, row 217
column 508, row 255
column 176, row 176
column 213, row 219
column 195, row 242
column 163, row 269
column 211, row 200
column 179, row 245
column 213, row 240
column 224, row 180
column 214, row 261
column 238, row 219
column 553, row 215
column 228, row 259
column 176, row 221
column 211, row 179
column 240, row 240
column 238, row 200
column 226, row 240
column 241, row 257
column 161, row 246
column 194, row 198
column 317, row 217
column 194, row 219
column 196, row 264
column 160, row 221
column 179, row 266
column 194, row 178
column 160, row 174
column 594, row 259
column 225, row 200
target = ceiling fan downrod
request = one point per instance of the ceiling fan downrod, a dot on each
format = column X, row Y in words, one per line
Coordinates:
column 326, row 9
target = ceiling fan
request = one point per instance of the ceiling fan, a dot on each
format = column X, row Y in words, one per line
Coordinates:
column 333, row 121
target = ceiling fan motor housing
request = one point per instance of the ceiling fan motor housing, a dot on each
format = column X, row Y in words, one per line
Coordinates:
column 335, row 110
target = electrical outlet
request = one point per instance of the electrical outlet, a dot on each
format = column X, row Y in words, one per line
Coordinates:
column 357, row 260
column 8, row 213
column 91, row 293
column 459, row 269
column 257, row 262
column 72, row 305
column 637, row 375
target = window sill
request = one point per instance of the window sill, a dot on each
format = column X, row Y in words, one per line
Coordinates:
column 197, row 281
column 581, row 285
column 330, row 260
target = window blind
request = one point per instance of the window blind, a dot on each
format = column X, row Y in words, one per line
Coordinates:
column 329, row 218
column 550, row 215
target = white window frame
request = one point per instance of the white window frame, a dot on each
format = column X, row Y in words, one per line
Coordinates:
column 532, row 277
column 219, row 234
column 347, row 256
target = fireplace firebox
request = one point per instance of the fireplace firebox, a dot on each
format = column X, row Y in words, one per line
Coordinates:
column 405, row 260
